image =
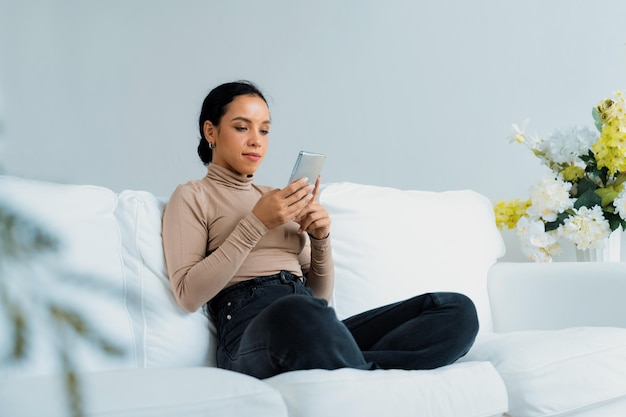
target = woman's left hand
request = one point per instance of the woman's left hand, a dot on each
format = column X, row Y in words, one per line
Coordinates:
column 314, row 219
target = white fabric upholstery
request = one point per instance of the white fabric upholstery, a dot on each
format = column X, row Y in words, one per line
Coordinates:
column 165, row 335
column 85, row 276
column 186, row 392
column 557, row 295
column 467, row 389
column 112, row 245
column 80, row 216
column 554, row 373
column 390, row 244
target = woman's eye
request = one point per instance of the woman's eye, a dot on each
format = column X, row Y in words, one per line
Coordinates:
column 240, row 128
column 265, row 132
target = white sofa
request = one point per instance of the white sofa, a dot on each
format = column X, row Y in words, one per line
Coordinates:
column 552, row 339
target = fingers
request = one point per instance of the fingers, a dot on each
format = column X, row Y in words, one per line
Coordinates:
column 316, row 191
column 295, row 187
column 297, row 192
column 277, row 207
column 294, row 210
column 305, row 216
column 313, row 217
column 315, row 220
column 296, row 202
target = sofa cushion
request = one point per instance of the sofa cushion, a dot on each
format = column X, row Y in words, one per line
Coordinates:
column 559, row 372
column 468, row 389
column 390, row 244
column 110, row 271
column 166, row 335
column 172, row 392
column 84, row 276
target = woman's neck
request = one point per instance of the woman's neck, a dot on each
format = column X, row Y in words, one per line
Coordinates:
column 229, row 178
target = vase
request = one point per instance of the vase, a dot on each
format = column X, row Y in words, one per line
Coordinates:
column 609, row 250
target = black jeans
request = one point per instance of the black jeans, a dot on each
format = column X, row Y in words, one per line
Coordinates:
column 273, row 324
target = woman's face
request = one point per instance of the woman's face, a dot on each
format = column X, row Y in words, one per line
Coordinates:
column 240, row 140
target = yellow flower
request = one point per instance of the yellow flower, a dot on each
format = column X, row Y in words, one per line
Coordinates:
column 508, row 213
column 604, row 109
column 573, row 173
column 610, row 109
column 610, row 149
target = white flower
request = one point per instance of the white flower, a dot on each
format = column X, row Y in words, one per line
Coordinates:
column 536, row 254
column 586, row 228
column 519, row 135
column 550, row 197
column 518, row 132
column 620, row 204
column 535, row 241
column 565, row 146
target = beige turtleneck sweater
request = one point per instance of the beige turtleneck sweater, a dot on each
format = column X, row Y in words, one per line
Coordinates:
column 211, row 239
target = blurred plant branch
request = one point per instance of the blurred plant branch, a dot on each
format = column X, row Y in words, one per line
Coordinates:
column 21, row 242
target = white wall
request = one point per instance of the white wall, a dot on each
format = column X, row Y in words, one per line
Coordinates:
column 408, row 94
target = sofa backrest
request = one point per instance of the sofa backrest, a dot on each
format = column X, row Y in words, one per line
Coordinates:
column 388, row 245
column 391, row 244
column 109, row 270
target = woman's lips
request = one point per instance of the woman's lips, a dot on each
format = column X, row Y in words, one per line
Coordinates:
column 252, row 156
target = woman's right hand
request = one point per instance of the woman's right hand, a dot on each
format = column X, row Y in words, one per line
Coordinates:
column 280, row 206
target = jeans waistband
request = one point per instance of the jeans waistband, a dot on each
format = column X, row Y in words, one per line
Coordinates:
column 221, row 299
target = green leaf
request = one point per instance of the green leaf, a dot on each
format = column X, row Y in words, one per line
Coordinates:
column 21, row 238
column 80, row 326
column 589, row 159
column 588, row 199
column 607, row 195
column 619, row 180
column 586, row 185
column 596, row 119
column 560, row 219
column 615, row 221
column 19, row 322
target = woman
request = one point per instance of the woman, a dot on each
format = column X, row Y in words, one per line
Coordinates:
column 260, row 260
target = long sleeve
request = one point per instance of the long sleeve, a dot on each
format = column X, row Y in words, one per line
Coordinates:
column 319, row 267
column 196, row 277
column 211, row 238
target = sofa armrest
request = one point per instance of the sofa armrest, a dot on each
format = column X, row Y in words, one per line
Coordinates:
column 531, row 296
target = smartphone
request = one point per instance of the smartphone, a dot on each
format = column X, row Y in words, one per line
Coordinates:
column 308, row 164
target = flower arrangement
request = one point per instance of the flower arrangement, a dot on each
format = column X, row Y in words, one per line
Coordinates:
column 583, row 198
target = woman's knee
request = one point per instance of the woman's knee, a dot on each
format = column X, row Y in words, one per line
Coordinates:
column 462, row 307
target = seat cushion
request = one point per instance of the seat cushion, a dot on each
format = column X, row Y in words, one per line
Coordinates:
column 468, row 389
column 561, row 372
column 173, row 392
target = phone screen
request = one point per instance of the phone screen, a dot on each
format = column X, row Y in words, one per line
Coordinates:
column 308, row 164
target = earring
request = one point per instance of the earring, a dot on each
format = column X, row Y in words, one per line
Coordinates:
column 211, row 145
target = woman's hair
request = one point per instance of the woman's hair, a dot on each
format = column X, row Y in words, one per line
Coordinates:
column 214, row 107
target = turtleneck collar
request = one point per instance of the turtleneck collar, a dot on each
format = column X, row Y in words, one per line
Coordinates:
column 228, row 178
